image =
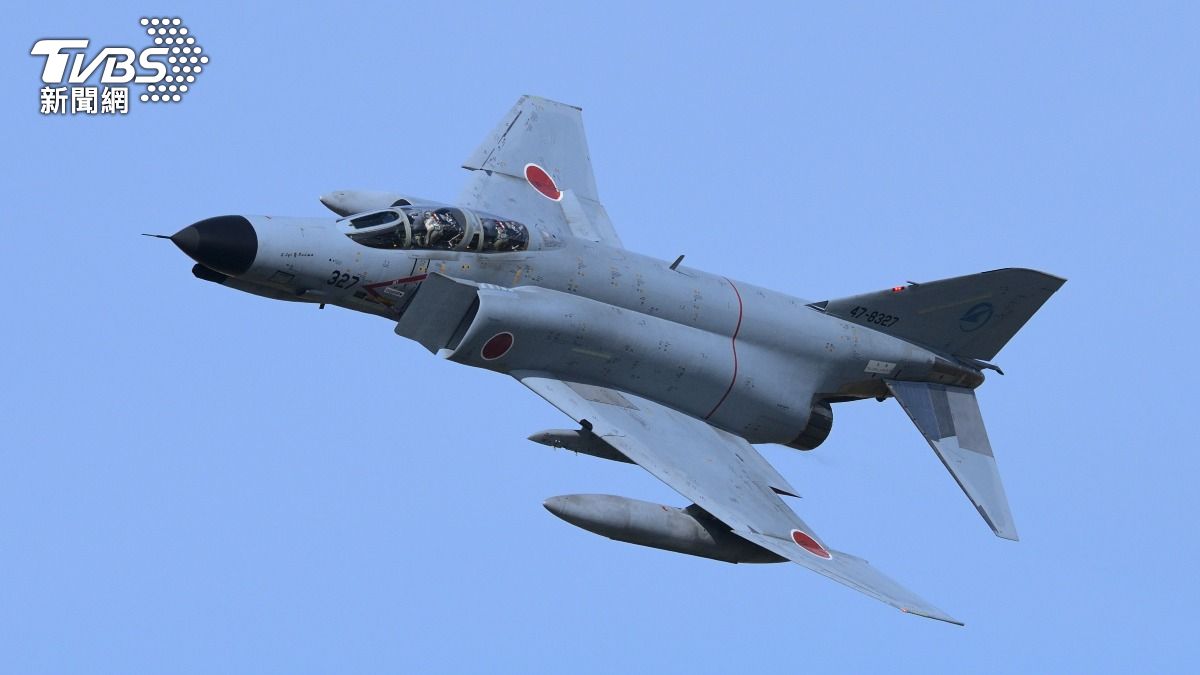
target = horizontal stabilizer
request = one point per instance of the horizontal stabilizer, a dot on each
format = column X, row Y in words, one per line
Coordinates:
column 853, row 572
column 949, row 419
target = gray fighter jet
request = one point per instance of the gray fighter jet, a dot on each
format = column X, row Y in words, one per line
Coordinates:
column 677, row 370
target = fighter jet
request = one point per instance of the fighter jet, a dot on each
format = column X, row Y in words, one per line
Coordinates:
column 677, row 370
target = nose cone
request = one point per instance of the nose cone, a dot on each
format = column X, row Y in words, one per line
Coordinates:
column 227, row 244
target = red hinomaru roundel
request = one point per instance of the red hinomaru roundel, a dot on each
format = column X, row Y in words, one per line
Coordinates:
column 809, row 544
column 542, row 182
column 497, row 346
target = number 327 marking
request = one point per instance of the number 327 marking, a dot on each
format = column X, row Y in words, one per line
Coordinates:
column 342, row 280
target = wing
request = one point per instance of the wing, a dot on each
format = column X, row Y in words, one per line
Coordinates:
column 721, row 473
column 535, row 167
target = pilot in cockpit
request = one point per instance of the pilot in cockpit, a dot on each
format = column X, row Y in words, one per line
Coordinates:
column 433, row 229
column 437, row 228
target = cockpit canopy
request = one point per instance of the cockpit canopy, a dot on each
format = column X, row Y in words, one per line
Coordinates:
column 444, row 228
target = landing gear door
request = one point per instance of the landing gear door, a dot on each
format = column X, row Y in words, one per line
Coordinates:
column 396, row 294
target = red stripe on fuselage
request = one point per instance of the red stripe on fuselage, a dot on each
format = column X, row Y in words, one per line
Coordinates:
column 406, row 280
column 733, row 344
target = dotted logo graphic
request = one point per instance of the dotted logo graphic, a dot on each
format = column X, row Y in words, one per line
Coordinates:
column 185, row 59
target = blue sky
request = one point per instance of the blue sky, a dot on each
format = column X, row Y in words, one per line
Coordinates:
column 196, row 480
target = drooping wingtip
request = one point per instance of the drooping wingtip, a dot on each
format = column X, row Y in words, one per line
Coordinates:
column 854, row 572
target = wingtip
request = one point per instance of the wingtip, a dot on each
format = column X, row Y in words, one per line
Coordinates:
column 946, row 618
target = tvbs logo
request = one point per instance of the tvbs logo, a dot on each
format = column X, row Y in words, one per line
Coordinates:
column 168, row 69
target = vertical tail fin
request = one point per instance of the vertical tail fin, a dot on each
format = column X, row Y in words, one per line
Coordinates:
column 948, row 417
column 970, row 317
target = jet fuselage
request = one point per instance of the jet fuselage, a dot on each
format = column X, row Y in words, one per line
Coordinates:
column 749, row 360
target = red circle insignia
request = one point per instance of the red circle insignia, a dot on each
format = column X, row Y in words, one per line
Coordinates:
column 542, row 182
column 497, row 346
column 809, row 544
